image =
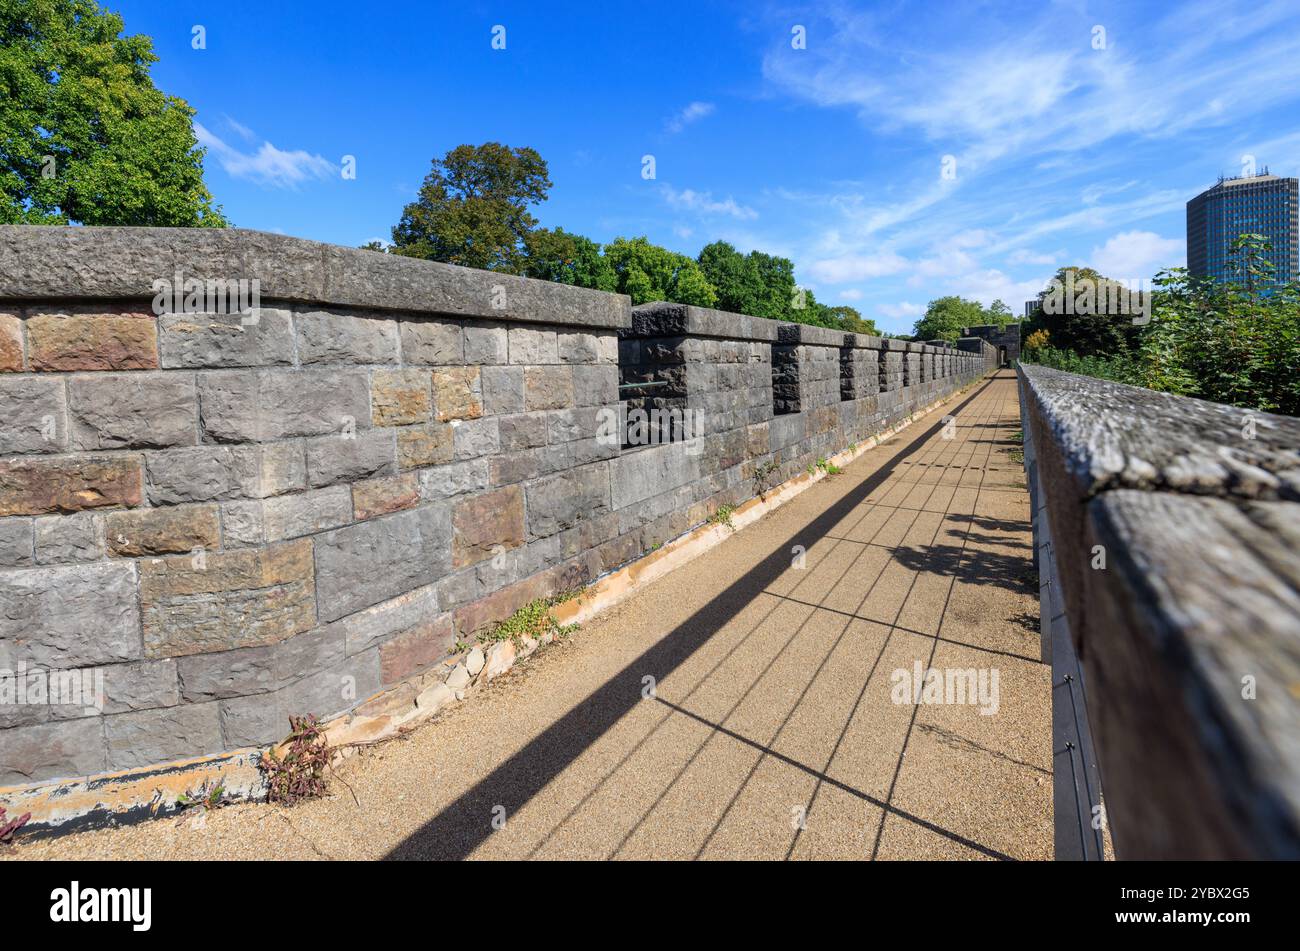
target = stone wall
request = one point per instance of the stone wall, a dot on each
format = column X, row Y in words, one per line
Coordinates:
column 236, row 517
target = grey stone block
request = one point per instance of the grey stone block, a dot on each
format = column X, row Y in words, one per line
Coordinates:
column 523, row 431
column 219, row 676
column 647, row 472
column 533, row 347
column 146, row 685
column 241, row 524
column 264, row 405
column 214, row 473
column 147, row 737
column 432, row 343
column 472, row 438
column 305, row 513
column 141, row 410
column 371, row 626
column 578, row 347
column 342, row 458
column 59, row 750
column 62, row 539
column 226, row 340
column 366, row 563
column 557, row 502
column 16, row 543
column 252, row 721
column 486, row 345
column 33, row 415
column 325, row 337
column 443, row 482
column 503, row 390
column 64, row 617
column 334, row 690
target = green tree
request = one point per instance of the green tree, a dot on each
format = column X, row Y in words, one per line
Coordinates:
column 84, row 134
column 567, row 258
column 758, row 284
column 848, row 318
column 473, row 208
column 945, row 317
column 646, row 272
column 1089, row 330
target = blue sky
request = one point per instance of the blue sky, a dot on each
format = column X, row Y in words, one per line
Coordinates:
column 1058, row 151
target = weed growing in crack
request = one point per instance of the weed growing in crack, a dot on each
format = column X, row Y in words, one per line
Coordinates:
column 301, row 773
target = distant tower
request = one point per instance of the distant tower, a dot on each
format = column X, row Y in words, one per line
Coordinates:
column 1260, row 204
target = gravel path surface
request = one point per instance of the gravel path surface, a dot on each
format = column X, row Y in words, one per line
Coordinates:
column 772, row 727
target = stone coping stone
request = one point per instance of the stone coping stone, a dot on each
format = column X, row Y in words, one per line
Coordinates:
column 1111, row 435
column 665, row 319
column 68, row 264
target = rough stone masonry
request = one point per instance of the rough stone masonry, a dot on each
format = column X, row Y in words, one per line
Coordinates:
column 237, row 517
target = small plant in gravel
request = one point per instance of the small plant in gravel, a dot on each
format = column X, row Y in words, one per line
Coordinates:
column 211, row 795
column 534, row 620
column 8, row 828
column 301, row 773
column 825, row 466
column 723, row 516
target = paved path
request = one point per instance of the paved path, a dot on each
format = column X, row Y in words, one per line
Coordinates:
column 772, row 732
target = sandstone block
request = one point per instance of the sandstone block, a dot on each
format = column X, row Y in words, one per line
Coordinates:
column 227, row 599
column 212, row 473
column 400, row 397
column 385, row 495
column 428, row 445
column 126, row 340
column 457, row 393
column 342, row 458
column 548, row 387
column 162, row 531
column 69, row 484
column 61, row 539
column 415, row 649
column 305, row 513
column 482, row 523
column 264, row 405
column 158, row 736
column 11, row 343
column 58, row 750
column 563, row 500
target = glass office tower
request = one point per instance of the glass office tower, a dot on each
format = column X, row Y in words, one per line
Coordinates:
column 1262, row 204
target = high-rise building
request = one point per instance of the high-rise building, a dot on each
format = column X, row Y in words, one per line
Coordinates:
column 1260, row 204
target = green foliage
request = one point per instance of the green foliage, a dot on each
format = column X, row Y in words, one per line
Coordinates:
column 723, row 516
column 1100, row 334
column 758, row 284
column 84, row 135
column 567, row 258
column 534, row 620
column 473, row 208
column 1235, row 342
column 646, row 272
column 946, row 316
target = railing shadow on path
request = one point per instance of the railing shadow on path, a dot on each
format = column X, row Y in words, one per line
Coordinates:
column 464, row 825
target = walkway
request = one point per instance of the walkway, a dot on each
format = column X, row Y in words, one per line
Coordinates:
column 771, row 732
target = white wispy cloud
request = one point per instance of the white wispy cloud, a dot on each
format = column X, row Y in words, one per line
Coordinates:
column 268, row 165
column 1137, row 255
column 703, row 203
column 691, row 113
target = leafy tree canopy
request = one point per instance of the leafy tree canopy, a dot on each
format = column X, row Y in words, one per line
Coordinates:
column 646, row 272
column 945, row 317
column 84, row 135
column 1088, row 334
column 473, row 208
column 567, row 258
